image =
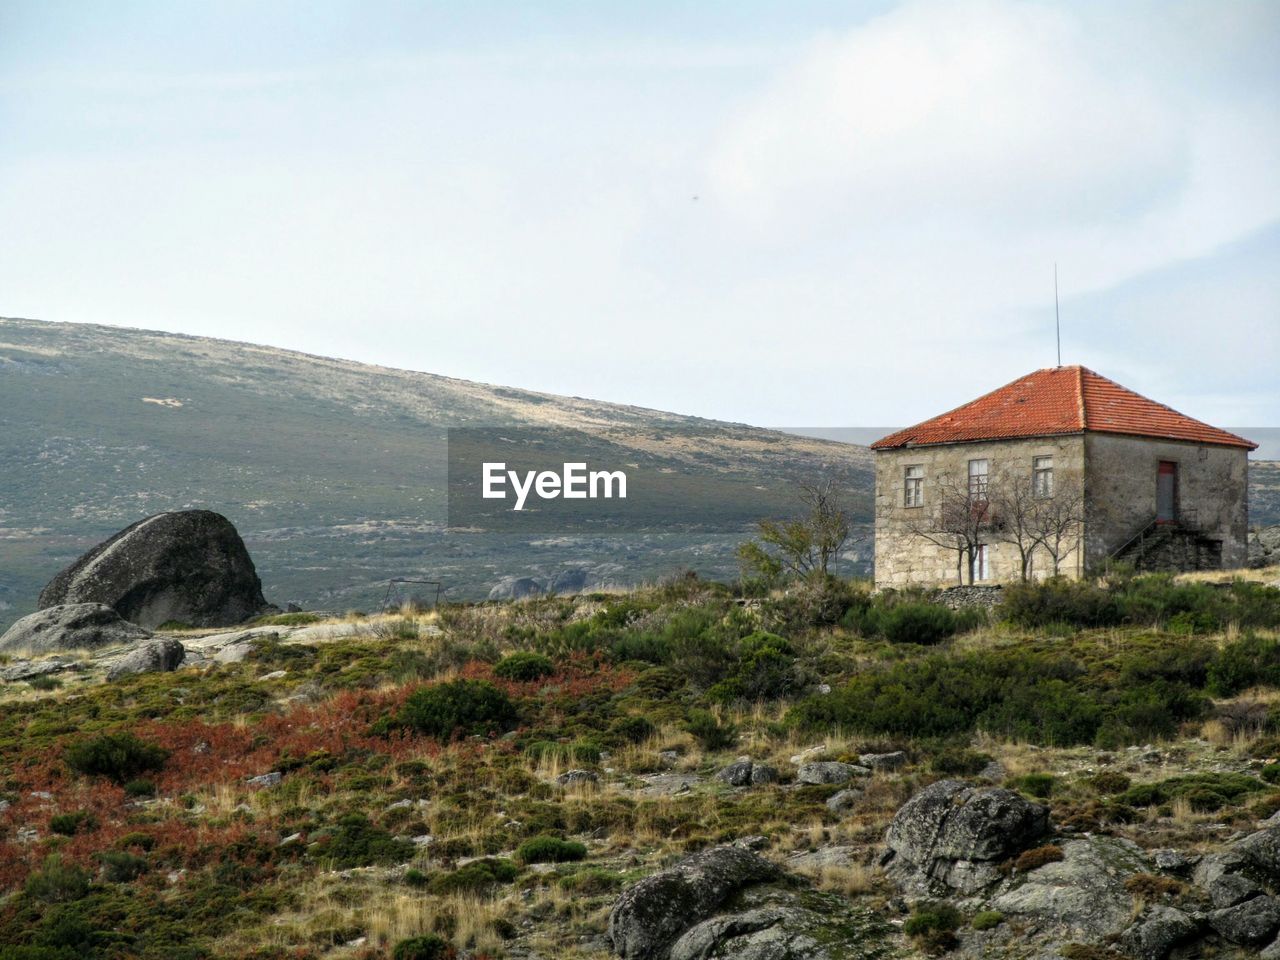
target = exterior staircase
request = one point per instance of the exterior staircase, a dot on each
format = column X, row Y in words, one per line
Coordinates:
column 1170, row 547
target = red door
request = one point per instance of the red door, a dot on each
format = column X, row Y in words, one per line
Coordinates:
column 1167, row 492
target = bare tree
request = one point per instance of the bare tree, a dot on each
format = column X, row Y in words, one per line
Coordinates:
column 805, row 547
column 1017, row 518
column 1058, row 520
column 959, row 521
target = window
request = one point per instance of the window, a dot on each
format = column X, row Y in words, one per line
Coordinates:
column 978, row 479
column 913, row 487
column 981, row 570
column 1042, row 476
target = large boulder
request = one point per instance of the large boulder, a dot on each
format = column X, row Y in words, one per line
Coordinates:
column 777, row 922
column 1155, row 934
column 572, row 580
column 189, row 565
column 951, row 836
column 161, row 655
column 516, row 588
column 71, row 626
column 649, row 916
column 1080, row 897
column 728, row 902
column 1251, row 923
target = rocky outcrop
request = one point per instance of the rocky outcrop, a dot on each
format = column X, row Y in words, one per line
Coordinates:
column 516, row 588
column 775, row 923
column 1157, row 932
column 649, row 917
column 745, row 773
column 1264, row 546
column 31, row 669
column 1080, row 897
column 190, row 566
column 161, row 655
column 950, row 837
column 1249, row 924
column 573, row 580
column 829, row 771
column 730, row 902
column 71, row 626
column 884, row 762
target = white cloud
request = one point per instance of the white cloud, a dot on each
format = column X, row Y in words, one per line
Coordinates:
column 1009, row 126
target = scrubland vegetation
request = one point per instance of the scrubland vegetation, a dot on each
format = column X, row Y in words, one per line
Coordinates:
column 422, row 807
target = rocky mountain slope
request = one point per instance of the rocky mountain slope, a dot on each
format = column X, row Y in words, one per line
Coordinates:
column 334, row 471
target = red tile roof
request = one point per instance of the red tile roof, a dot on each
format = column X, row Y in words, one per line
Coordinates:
column 1058, row 400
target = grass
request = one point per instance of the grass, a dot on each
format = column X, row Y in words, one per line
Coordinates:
column 387, row 827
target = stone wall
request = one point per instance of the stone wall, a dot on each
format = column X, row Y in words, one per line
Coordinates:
column 903, row 559
column 1121, row 492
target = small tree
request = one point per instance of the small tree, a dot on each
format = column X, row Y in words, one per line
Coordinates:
column 807, row 547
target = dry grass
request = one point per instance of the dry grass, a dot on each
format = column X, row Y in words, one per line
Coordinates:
column 1259, row 575
column 332, row 908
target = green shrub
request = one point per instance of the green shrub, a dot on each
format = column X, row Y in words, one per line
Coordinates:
column 120, row 866
column 1109, row 782
column 910, row 622
column 1248, row 662
column 478, row 876
column 591, row 883
column 44, row 682
column 547, row 849
column 358, row 843
column 1025, row 696
column 765, row 670
column 1077, row 602
column 933, row 924
column 460, row 707
column 1203, row 791
column 429, row 947
column 1148, row 600
column 1270, row 773
column 631, row 729
column 986, row 920
column 69, row 824
column 959, row 762
column 143, row 841
column 707, row 729
column 1144, row 795
column 38, row 953
column 56, row 882
column 140, row 787
column 524, row 666
column 1039, row 785
column 117, row 756
column 578, row 752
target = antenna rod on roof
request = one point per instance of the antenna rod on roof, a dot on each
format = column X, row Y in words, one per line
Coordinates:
column 1057, row 320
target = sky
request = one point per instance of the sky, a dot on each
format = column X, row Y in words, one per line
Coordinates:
column 800, row 214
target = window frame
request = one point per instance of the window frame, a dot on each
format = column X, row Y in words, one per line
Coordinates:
column 980, row 483
column 1039, row 490
column 912, row 486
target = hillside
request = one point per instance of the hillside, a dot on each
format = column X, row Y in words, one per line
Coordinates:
column 334, row 471
column 1085, row 772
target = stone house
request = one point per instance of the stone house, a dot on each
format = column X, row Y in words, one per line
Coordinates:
column 1059, row 471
